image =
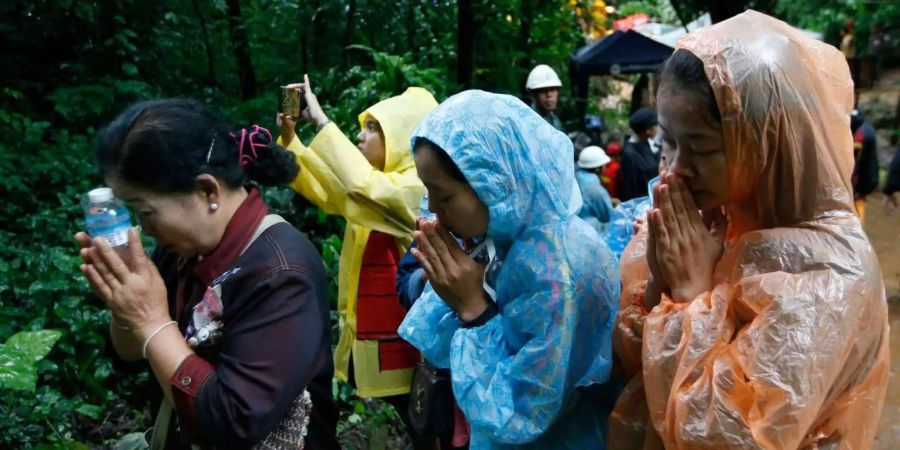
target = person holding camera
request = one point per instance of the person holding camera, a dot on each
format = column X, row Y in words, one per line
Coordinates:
column 373, row 184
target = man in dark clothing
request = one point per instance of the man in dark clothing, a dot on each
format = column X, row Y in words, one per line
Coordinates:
column 893, row 183
column 865, row 172
column 640, row 163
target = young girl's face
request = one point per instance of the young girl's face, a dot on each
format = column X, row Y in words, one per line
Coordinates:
column 370, row 141
column 454, row 202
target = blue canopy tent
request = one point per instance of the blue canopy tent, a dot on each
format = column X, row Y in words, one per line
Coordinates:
column 620, row 53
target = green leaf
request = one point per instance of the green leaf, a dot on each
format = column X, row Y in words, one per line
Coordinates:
column 34, row 344
column 131, row 441
column 17, row 371
column 129, row 69
column 92, row 411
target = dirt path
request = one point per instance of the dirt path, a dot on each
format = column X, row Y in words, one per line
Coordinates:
column 884, row 232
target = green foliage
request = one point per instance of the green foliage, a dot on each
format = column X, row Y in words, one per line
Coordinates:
column 828, row 17
column 367, row 423
column 19, row 356
column 40, row 287
column 658, row 10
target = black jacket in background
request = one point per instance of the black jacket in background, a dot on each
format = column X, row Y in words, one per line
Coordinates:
column 639, row 166
column 865, row 172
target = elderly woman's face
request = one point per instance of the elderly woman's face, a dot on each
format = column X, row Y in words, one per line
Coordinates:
column 696, row 147
column 180, row 223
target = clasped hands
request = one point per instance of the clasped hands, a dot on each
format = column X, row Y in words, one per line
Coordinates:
column 455, row 277
column 683, row 244
column 133, row 291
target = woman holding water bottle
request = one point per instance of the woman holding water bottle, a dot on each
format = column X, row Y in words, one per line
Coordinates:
column 231, row 311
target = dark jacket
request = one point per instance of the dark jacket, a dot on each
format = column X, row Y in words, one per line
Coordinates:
column 410, row 279
column 865, row 172
column 276, row 338
column 639, row 166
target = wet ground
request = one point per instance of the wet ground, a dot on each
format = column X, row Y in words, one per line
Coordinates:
column 884, row 232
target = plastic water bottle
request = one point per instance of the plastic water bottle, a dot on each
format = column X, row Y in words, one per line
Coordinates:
column 107, row 217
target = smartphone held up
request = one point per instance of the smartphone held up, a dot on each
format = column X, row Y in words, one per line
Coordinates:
column 290, row 102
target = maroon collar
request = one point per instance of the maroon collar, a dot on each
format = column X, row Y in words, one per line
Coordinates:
column 237, row 235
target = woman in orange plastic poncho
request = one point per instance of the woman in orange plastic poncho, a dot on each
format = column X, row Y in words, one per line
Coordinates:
column 775, row 338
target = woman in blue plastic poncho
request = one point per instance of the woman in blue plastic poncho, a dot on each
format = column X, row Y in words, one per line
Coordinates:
column 527, row 334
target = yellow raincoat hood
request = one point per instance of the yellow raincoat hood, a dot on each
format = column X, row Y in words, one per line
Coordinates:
column 790, row 347
column 398, row 117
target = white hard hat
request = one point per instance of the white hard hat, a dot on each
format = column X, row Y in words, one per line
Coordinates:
column 542, row 76
column 592, row 157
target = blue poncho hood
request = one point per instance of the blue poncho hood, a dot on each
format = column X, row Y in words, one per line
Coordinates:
column 484, row 134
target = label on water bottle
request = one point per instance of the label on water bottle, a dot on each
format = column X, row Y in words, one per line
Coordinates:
column 112, row 225
column 116, row 235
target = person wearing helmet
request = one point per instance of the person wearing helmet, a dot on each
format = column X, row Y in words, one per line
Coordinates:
column 543, row 84
column 597, row 207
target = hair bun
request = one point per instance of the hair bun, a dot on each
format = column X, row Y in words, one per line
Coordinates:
column 274, row 165
column 260, row 135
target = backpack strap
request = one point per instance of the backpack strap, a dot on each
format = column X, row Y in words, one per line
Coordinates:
column 267, row 222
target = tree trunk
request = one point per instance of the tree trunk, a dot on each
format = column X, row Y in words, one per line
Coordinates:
column 411, row 29
column 210, row 62
column 304, row 42
column 241, row 49
column 526, row 16
column 348, row 31
column 318, row 29
column 465, row 43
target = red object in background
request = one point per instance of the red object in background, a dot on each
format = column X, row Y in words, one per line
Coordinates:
column 611, row 170
column 613, row 148
column 630, row 22
column 608, row 177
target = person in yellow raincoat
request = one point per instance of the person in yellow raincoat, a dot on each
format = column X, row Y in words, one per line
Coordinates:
column 374, row 185
column 753, row 315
